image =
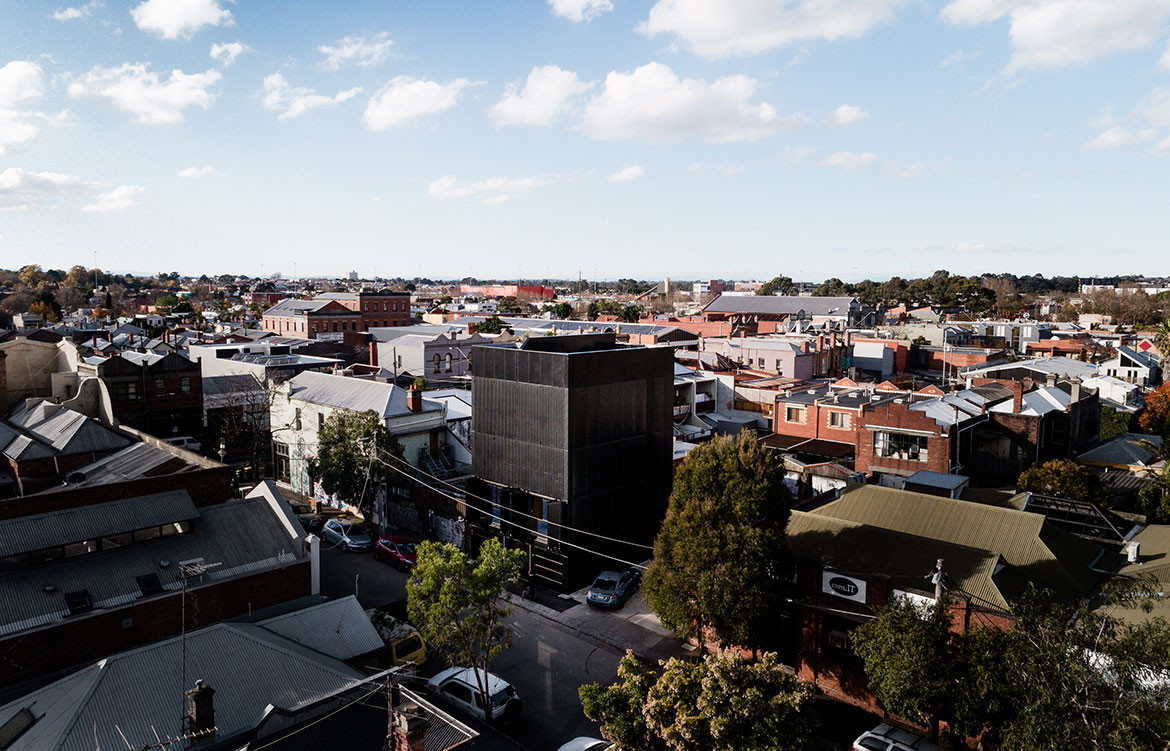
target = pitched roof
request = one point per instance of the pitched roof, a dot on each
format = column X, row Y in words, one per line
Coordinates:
column 249, row 667
column 780, row 305
column 357, row 394
column 63, row 430
column 135, row 461
column 1019, row 536
column 1128, row 450
column 337, row 628
column 865, row 549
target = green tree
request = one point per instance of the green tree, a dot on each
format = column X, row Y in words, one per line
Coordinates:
column 720, row 557
column 1063, row 478
column 630, row 314
column 910, row 660
column 454, row 602
column 509, row 306
column 562, row 310
column 833, row 287
column 1113, row 423
column 354, row 450
column 1162, row 339
column 490, row 325
column 604, row 307
column 780, row 285
column 720, row 704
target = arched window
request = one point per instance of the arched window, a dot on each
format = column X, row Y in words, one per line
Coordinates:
column 448, row 359
column 436, row 361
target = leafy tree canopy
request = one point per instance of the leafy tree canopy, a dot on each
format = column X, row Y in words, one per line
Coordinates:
column 780, row 285
column 353, row 451
column 490, row 325
column 1063, row 478
column 719, row 557
column 720, row 704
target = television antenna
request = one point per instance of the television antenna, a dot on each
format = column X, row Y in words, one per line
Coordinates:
column 188, row 570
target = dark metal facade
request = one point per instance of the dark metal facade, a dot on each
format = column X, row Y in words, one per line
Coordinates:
column 582, row 422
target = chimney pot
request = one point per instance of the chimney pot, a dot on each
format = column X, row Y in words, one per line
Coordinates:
column 409, row 729
column 200, row 708
column 414, row 399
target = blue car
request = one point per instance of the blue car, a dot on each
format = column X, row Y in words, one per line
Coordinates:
column 612, row 589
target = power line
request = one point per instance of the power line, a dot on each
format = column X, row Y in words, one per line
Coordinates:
column 631, row 564
column 522, row 513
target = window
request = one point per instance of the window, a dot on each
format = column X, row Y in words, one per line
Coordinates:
column 900, row 446
column 794, row 414
column 148, row 533
column 296, row 421
column 458, row 691
column 160, row 385
column 320, row 421
column 117, row 541
column 448, row 362
column 81, row 548
column 839, row 420
column 436, row 360
column 185, row 385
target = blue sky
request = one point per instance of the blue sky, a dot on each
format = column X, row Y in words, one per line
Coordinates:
column 540, row 138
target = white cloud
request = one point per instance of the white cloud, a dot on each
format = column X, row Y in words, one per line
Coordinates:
column 144, row 94
column 953, row 60
column 802, row 55
column 970, row 247
column 498, row 189
column 171, row 19
column 546, row 95
column 1163, row 148
column 746, row 27
column 1164, row 60
column 580, row 10
column 121, row 198
column 228, row 52
column 626, row 174
column 406, row 98
column 203, row 171
column 22, row 189
column 652, row 102
column 1119, row 136
column 1155, row 108
column 1065, row 32
column 293, row 101
column 847, row 114
column 847, row 160
column 19, row 82
column 81, row 11
column 903, row 172
column 356, row 49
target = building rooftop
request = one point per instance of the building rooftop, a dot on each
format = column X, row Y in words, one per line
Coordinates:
column 357, row 394
column 780, row 305
column 135, row 461
column 60, row 430
column 1128, row 450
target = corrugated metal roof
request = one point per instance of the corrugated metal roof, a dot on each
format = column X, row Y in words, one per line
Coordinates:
column 134, row 461
column 25, row 534
column 138, row 692
column 1016, row 535
column 242, row 536
column 66, row 431
column 780, row 305
column 1127, row 449
column 357, row 394
column 864, row 549
column 338, row 628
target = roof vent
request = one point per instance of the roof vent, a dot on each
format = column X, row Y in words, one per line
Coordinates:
column 149, row 584
column 78, row 602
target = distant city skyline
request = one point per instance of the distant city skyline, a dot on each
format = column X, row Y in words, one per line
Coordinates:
column 736, row 139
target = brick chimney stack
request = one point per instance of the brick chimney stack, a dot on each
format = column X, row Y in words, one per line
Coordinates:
column 472, row 327
column 373, row 352
column 414, row 399
column 200, row 708
column 409, row 729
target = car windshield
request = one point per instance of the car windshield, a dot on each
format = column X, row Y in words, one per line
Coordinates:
column 300, row 508
column 500, row 698
column 406, row 548
column 605, row 583
column 350, row 529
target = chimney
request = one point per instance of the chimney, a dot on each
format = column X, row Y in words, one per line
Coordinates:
column 373, row 352
column 804, row 347
column 1017, row 397
column 1076, row 391
column 848, row 337
column 414, row 399
column 471, row 327
column 409, row 728
column 833, row 340
column 820, row 342
column 200, row 709
column 1052, row 379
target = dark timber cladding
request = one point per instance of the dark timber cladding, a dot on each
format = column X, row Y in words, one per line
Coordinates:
column 581, row 420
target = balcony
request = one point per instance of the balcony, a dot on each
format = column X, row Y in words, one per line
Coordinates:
column 682, row 410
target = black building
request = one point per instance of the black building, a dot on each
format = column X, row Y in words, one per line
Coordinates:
column 573, row 430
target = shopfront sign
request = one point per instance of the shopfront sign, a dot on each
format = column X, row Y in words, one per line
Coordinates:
column 845, row 587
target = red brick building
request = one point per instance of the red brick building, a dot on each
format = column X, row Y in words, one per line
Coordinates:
column 377, row 309
column 311, row 319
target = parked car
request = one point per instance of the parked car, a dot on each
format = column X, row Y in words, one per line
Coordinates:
column 586, row 744
column 403, row 642
column 399, row 552
column 458, row 687
column 185, row 442
column 346, row 535
column 612, row 589
column 308, row 518
column 889, row 738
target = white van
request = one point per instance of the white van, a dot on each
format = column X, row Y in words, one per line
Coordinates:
column 185, row 442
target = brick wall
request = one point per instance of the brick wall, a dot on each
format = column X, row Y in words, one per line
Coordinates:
column 80, row 640
column 816, row 422
column 900, row 416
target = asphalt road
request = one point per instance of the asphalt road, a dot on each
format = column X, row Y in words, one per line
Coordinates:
column 546, row 662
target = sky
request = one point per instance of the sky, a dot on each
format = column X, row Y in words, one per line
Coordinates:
column 735, row 139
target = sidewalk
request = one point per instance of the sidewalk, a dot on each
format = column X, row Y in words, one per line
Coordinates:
column 634, row 627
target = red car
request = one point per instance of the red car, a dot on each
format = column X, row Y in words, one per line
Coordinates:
column 399, row 552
